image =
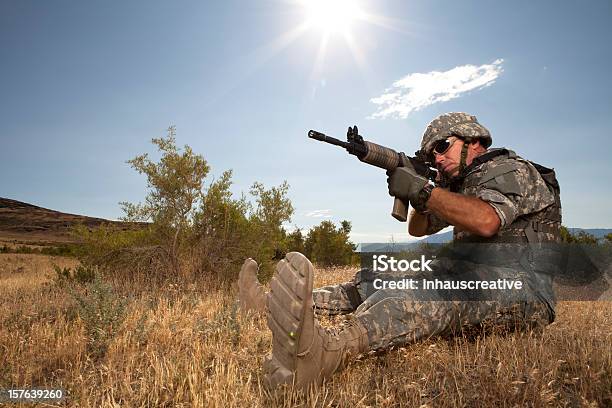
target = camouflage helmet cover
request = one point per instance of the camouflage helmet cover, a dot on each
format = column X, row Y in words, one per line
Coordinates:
column 454, row 124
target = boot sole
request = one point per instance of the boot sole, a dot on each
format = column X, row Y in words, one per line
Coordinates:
column 251, row 293
column 289, row 297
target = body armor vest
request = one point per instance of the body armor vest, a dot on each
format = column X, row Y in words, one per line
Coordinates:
column 539, row 227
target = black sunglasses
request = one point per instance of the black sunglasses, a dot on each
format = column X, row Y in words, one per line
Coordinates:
column 442, row 146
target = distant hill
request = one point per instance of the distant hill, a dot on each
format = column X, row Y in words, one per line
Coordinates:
column 439, row 238
column 385, row 246
column 599, row 233
column 26, row 223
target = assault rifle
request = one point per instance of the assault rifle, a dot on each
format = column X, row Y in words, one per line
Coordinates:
column 379, row 156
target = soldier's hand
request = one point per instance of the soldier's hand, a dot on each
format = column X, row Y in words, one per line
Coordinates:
column 404, row 183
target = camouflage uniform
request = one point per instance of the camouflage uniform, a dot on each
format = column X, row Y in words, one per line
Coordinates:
column 521, row 198
column 514, row 188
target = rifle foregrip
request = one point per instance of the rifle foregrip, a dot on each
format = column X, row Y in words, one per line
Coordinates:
column 381, row 156
column 400, row 210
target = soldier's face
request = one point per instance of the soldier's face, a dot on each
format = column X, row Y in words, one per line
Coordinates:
column 448, row 162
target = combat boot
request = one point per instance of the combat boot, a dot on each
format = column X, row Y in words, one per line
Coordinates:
column 303, row 352
column 251, row 294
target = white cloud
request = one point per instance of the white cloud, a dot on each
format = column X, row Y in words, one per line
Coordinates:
column 417, row 91
column 319, row 214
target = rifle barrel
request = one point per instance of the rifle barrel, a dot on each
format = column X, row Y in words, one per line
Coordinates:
column 313, row 134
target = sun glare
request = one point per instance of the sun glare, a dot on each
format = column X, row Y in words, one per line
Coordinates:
column 336, row 23
column 332, row 16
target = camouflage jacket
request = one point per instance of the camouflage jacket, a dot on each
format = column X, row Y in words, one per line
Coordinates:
column 518, row 194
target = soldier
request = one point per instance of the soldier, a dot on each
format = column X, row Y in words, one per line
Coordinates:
column 490, row 196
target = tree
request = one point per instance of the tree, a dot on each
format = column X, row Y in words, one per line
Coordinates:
column 329, row 246
column 221, row 227
column 272, row 209
column 295, row 241
column 229, row 230
column 175, row 190
column 566, row 235
column 582, row 237
column 192, row 227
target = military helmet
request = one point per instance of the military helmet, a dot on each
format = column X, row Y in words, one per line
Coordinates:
column 458, row 124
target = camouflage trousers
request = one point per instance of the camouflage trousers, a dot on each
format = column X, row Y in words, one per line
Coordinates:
column 398, row 317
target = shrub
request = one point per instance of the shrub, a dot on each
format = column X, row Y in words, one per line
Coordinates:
column 330, row 246
column 193, row 227
column 102, row 312
column 132, row 254
column 175, row 188
column 61, row 250
column 295, row 241
column 229, row 230
column 79, row 275
column 225, row 324
column 582, row 237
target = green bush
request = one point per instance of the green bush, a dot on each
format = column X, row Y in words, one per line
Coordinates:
column 330, row 246
column 225, row 324
column 581, row 237
column 295, row 241
column 114, row 248
column 79, row 275
column 175, row 188
column 102, row 312
column 194, row 228
column 228, row 230
column 68, row 250
column 200, row 229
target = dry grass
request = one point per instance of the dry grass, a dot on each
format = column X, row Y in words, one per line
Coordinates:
column 189, row 347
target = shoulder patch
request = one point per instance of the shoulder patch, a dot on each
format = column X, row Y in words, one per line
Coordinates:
column 504, row 183
column 498, row 170
column 501, row 177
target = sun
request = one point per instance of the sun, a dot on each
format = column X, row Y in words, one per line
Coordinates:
column 332, row 16
column 337, row 23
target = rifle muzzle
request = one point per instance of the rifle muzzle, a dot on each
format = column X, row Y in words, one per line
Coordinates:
column 313, row 134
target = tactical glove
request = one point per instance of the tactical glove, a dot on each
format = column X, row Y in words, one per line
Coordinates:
column 404, row 183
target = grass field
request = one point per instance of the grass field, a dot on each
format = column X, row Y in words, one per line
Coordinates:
column 190, row 346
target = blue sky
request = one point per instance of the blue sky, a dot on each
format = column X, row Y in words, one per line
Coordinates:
column 86, row 85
